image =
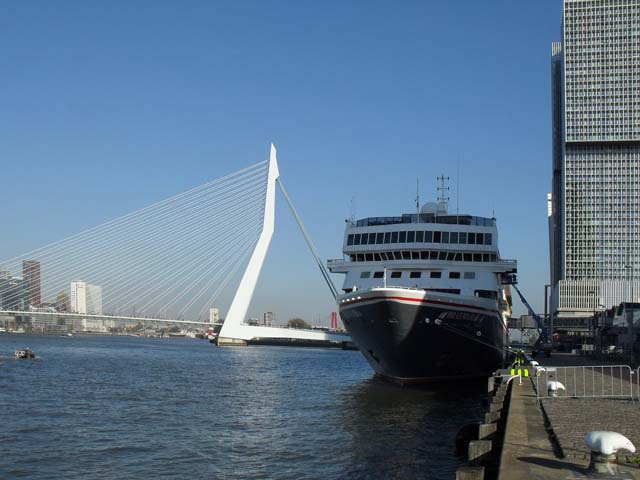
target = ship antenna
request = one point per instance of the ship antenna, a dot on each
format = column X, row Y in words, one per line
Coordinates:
column 418, row 198
column 352, row 214
column 442, row 189
column 458, row 192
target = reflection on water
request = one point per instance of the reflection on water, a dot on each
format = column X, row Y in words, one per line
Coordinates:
column 407, row 432
column 113, row 407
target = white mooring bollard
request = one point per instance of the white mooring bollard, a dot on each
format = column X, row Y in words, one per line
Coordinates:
column 604, row 446
column 553, row 386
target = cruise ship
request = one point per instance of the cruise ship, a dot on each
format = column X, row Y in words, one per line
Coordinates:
column 425, row 295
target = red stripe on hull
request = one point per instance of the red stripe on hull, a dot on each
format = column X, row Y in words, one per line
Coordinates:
column 419, row 300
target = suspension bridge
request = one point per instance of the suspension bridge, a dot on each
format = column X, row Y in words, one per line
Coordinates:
column 168, row 263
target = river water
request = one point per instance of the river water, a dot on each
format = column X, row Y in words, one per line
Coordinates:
column 119, row 407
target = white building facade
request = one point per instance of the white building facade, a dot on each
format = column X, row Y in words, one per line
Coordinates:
column 87, row 298
column 594, row 211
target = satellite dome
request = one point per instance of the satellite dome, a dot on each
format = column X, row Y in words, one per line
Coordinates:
column 429, row 207
column 434, row 208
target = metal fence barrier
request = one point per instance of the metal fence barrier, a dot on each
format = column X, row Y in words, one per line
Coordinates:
column 593, row 381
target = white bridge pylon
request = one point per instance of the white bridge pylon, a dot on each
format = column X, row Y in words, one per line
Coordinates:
column 234, row 331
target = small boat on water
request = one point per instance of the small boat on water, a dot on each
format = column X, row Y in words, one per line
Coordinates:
column 25, row 353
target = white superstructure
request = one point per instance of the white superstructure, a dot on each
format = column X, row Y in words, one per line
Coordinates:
column 455, row 255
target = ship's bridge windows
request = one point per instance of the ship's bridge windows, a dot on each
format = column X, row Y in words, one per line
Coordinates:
column 394, row 237
column 437, row 237
column 402, row 237
column 462, row 238
column 454, row 274
column 411, row 236
column 380, row 238
column 419, row 236
column 350, row 239
column 435, row 275
column 378, row 274
column 442, row 255
column 415, row 275
column 365, row 274
column 471, row 238
column 356, row 239
column 428, row 236
column 387, row 237
column 469, row 275
column 372, row 238
column 488, row 240
column 454, row 237
column 396, row 274
column 445, row 237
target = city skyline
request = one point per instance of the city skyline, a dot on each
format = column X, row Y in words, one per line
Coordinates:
column 152, row 112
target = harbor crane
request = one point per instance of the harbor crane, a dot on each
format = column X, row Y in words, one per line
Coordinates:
column 543, row 343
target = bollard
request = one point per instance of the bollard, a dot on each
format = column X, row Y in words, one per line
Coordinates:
column 486, row 429
column 479, row 449
column 603, row 446
column 470, row 473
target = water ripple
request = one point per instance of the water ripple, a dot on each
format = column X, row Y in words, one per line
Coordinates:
column 112, row 407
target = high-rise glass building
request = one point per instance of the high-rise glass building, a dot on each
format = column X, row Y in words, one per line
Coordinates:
column 594, row 205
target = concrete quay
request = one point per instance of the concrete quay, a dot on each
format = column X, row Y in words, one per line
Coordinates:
column 544, row 440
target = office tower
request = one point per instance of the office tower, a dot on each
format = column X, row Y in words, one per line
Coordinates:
column 594, row 206
column 86, row 298
column 31, row 276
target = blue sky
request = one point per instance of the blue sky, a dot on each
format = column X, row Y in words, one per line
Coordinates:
column 110, row 106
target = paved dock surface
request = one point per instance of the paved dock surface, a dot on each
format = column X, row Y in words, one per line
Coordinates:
column 528, row 451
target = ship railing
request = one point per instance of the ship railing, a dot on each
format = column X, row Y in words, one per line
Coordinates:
column 586, row 381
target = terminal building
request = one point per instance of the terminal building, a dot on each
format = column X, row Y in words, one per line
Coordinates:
column 594, row 205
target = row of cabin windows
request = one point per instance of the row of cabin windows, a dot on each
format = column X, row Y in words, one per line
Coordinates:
column 420, row 236
column 396, row 274
column 423, row 255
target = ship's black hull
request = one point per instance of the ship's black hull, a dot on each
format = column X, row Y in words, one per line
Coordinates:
column 412, row 342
